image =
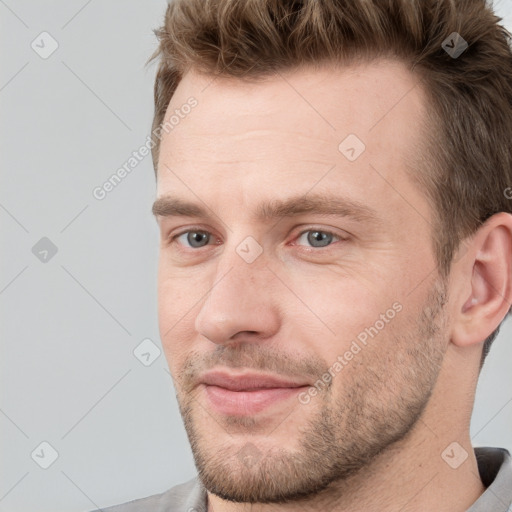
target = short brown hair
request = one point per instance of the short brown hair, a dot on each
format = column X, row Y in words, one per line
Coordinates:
column 465, row 166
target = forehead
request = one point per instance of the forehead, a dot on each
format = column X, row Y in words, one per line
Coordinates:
column 328, row 93
column 324, row 104
column 283, row 134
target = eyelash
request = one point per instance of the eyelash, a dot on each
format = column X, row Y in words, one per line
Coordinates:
column 172, row 239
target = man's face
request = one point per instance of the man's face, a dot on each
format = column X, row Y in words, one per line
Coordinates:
column 300, row 313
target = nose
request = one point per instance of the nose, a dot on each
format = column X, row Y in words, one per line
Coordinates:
column 241, row 304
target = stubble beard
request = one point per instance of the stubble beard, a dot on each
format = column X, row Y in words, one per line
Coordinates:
column 377, row 408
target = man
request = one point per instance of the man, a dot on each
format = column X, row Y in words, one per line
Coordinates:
column 335, row 257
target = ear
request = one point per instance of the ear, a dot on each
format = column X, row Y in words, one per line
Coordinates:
column 482, row 282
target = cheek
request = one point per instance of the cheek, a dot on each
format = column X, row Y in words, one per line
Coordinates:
column 344, row 309
column 372, row 362
column 177, row 346
column 177, row 295
column 177, row 307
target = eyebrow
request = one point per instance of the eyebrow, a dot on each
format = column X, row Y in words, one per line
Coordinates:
column 321, row 204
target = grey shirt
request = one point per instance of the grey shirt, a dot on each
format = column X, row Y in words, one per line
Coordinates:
column 494, row 466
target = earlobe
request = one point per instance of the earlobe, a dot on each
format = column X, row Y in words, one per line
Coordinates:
column 484, row 307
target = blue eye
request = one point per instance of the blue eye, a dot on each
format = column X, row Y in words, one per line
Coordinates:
column 318, row 238
column 196, row 238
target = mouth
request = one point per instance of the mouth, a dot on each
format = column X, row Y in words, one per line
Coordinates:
column 246, row 394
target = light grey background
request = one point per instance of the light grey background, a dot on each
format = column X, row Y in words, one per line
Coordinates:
column 70, row 324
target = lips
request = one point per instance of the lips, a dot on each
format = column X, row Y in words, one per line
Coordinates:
column 247, row 381
column 245, row 394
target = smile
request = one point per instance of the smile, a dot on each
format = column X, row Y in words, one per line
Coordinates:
column 247, row 394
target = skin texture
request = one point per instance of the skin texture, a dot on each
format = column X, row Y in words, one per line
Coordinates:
column 372, row 437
